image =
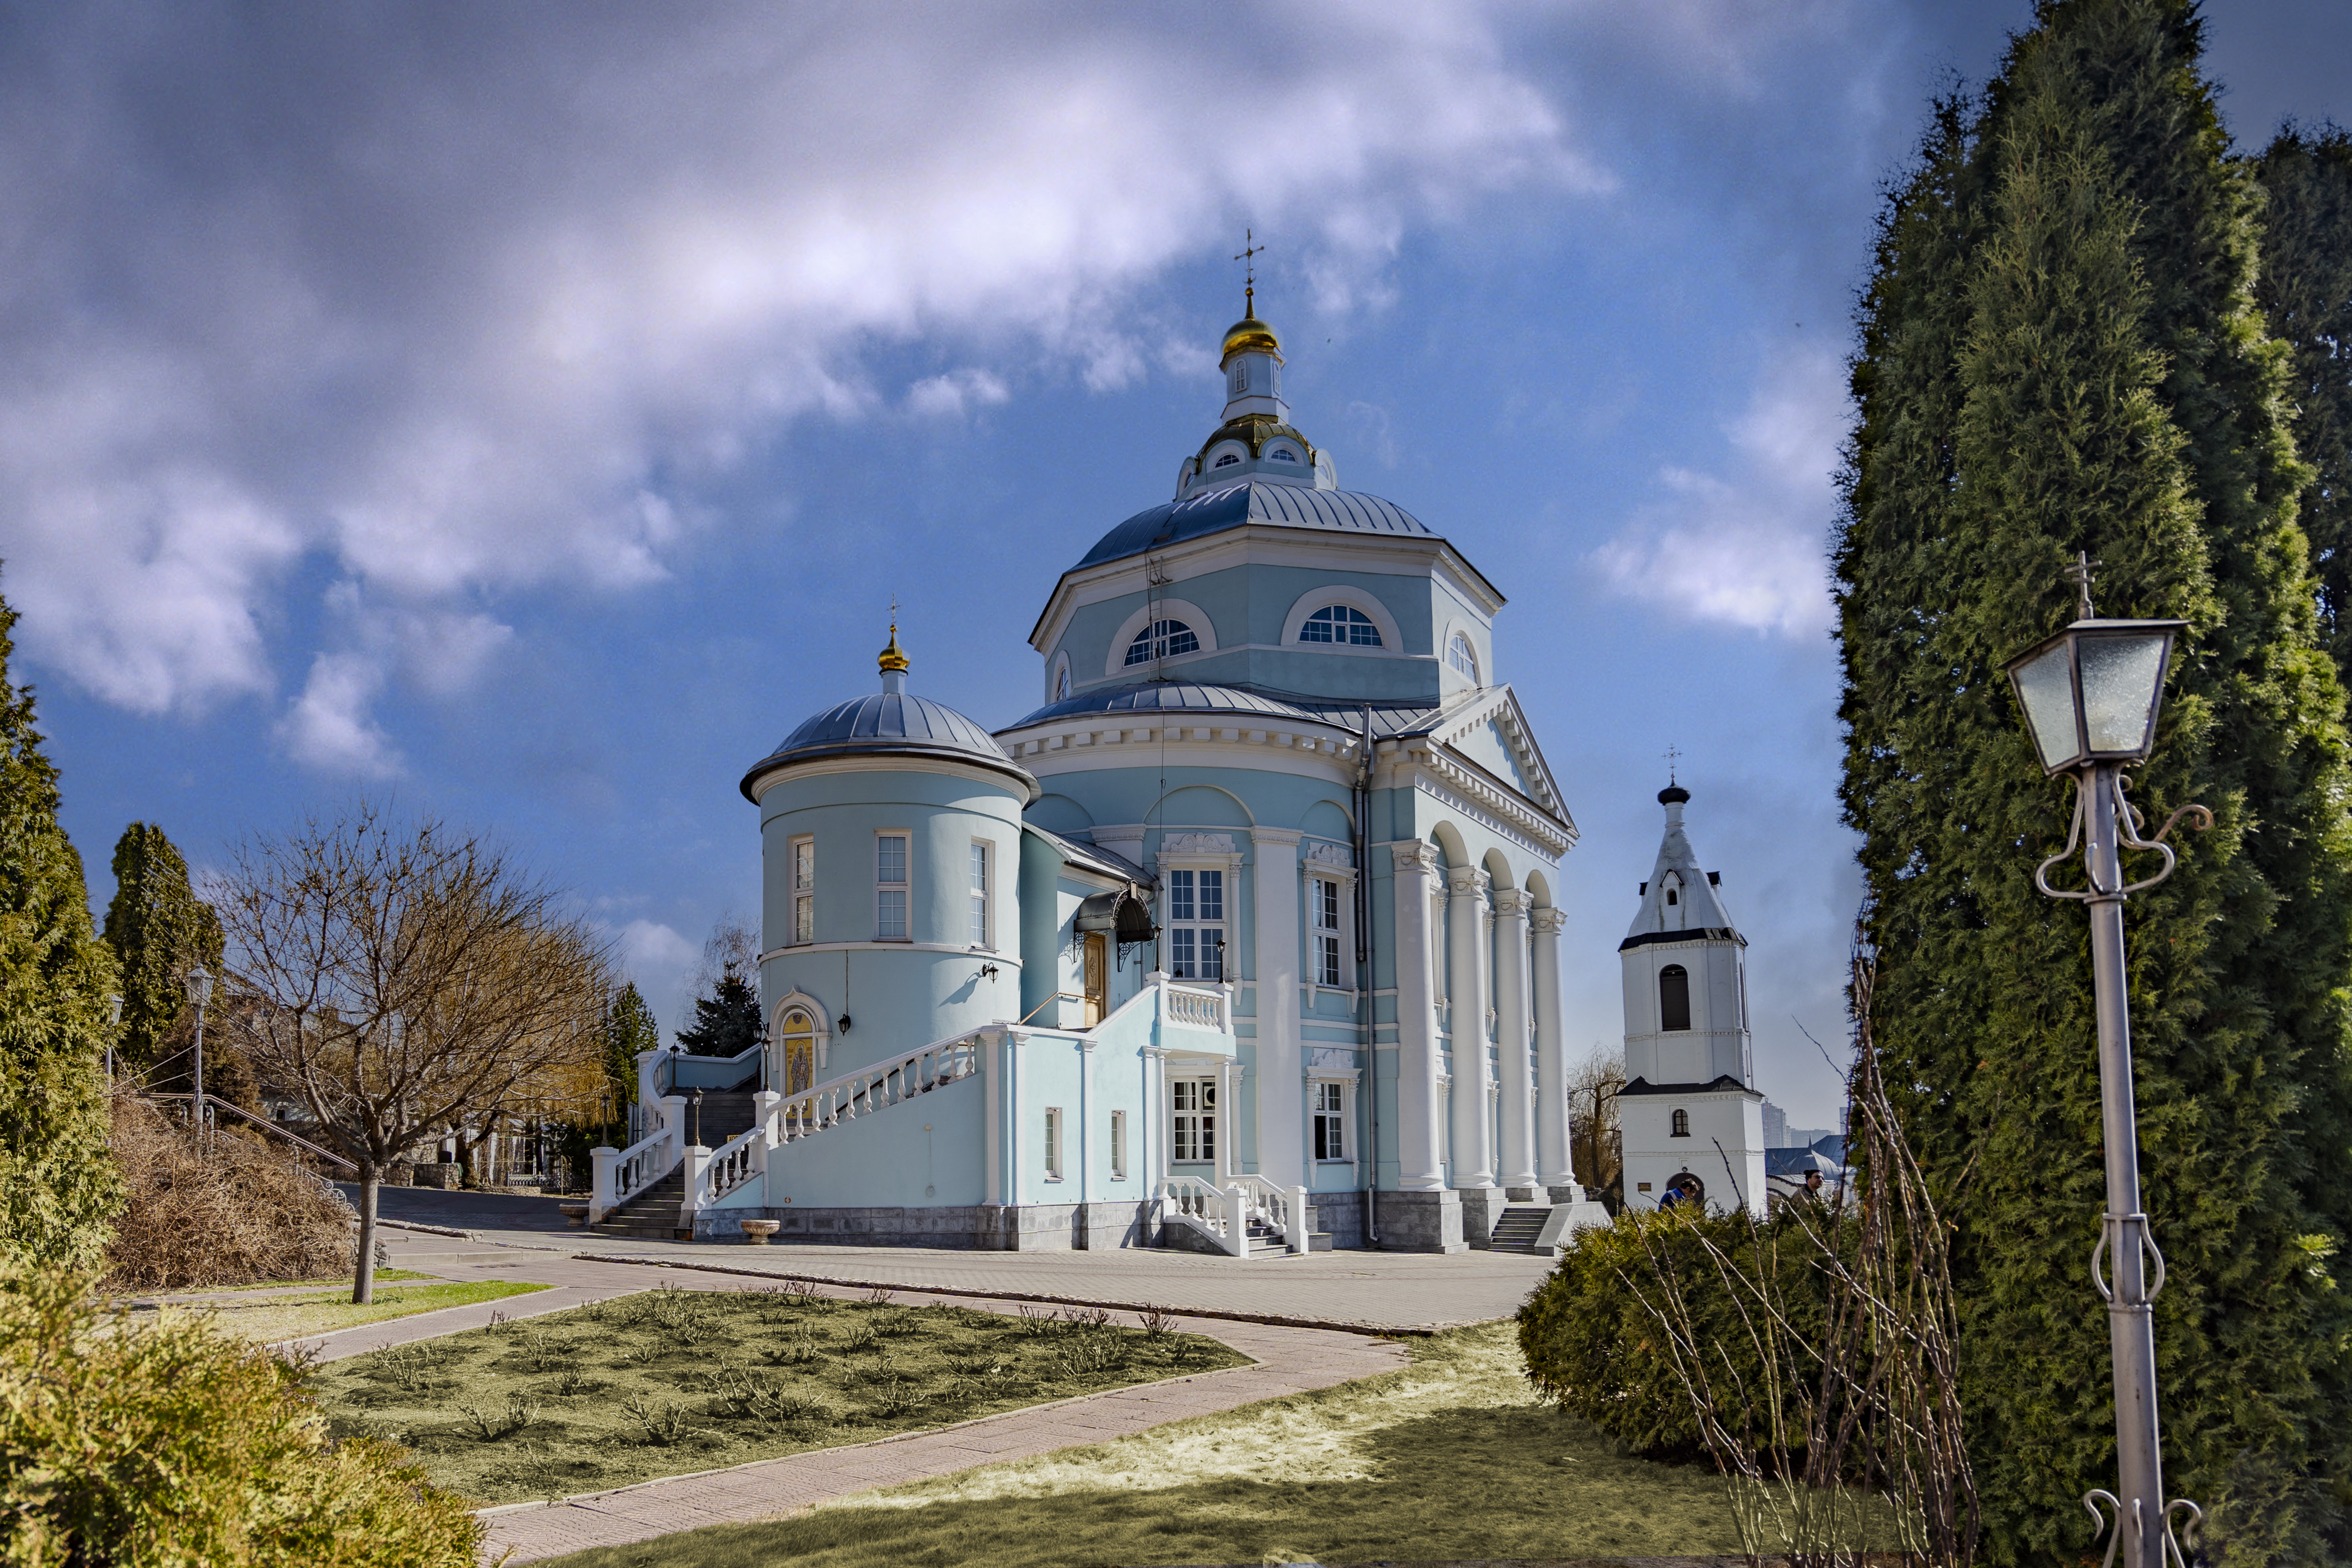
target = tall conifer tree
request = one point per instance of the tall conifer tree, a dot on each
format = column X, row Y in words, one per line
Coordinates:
column 629, row 1030
column 2306, row 293
column 2060, row 353
column 727, row 1020
column 59, row 1184
column 159, row 930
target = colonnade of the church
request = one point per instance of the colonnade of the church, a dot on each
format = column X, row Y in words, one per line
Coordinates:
column 1471, row 959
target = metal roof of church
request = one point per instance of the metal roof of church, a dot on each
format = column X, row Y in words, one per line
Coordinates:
column 1179, row 697
column 1254, row 501
column 885, row 723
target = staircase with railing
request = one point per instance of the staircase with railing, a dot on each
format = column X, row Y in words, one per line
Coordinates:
column 637, row 1187
column 1248, row 1216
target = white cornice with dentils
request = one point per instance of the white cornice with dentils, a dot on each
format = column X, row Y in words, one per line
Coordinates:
column 1503, row 708
column 1085, row 743
column 1261, row 544
column 1463, row 786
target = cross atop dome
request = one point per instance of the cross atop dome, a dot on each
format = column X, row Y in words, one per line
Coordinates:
column 1256, row 440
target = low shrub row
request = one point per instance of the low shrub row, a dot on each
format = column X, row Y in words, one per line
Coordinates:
column 1594, row 1346
column 172, row 1446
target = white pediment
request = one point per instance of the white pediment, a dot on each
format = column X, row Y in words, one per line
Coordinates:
column 1491, row 733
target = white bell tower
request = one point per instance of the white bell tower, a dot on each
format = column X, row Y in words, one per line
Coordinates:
column 1691, row 1116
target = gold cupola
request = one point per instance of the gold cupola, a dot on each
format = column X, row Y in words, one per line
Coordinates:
column 1249, row 336
column 894, row 664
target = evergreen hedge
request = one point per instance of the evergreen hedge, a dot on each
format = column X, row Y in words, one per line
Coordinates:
column 2060, row 351
column 170, row 1446
column 58, row 1183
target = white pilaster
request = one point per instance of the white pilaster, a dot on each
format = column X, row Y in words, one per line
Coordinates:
column 1553, row 1165
column 1420, row 1137
column 1511, row 1037
column 1281, row 1066
column 1467, row 987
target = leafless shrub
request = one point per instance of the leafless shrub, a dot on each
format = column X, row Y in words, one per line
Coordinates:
column 1157, row 1322
column 243, row 1214
column 1834, row 1392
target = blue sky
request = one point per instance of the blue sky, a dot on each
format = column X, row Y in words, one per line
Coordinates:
column 526, row 415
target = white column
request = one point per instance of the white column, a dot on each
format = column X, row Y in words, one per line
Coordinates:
column 1474, row 1156
column 1281, row 1066
column 1420, row 1137
column 1511, row 906
column 1553, row 1165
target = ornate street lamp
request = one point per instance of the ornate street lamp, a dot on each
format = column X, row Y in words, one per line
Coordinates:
column 200, row 991
column 2090, row 695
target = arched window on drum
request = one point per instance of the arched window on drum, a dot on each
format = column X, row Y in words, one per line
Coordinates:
column 1162, row 640
column 798, row 1033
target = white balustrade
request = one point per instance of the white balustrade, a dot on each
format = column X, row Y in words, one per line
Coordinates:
column 873, row 1088
column 1213, row 1211
column 741, row 1159
column 622, row 1175
column 1201, row 1009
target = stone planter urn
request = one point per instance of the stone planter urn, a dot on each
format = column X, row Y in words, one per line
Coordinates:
column 575, row 1215
column 757, row 1231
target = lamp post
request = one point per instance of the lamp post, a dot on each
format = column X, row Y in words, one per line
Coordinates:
column 2090, row 694
column 200, row 991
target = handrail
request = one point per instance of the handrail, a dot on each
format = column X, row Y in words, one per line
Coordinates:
column 732, row 1164
column 867, row 1089
column 1049, row 1001
column 637, row 1154
column 667, row 1067
column 267, row 1126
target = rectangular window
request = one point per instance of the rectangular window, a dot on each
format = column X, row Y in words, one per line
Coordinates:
column 1194, row 1135
column 980, row 895
column 804, row 890
column 1330, row 1122
column 1196, row 925
column 890, row 887
column 1323, row 905
column 1119, row 1145
column 1053, row 1142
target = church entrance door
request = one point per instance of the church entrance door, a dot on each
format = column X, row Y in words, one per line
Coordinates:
column 1097, row 978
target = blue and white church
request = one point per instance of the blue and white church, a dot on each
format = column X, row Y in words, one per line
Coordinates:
column 1244, row 941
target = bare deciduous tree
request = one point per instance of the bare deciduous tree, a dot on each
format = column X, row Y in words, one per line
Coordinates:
column 1596, row 1149
column 404, row 980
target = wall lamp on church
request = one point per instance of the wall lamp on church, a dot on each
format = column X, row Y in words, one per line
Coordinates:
column 2090, row 694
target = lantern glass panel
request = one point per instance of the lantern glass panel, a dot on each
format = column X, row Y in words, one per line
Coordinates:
column 2047, row 688
column 2119, row 680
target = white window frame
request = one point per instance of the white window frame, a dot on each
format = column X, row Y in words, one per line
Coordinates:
column 1475, row 673
column 1194, row 925
column 905, row 890
column 1119, row 1145
column 802, row 893
column 1392, row 638
column 1318, row 1086
column 1202, row 1117
column 1053, row 1142
column 1195, row 862
column 981, row 908
column 1114, row 664
column 1343, row 880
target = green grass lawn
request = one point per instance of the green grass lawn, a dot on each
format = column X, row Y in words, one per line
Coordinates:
column 1450, row 1458
column 674, row 1380
column 299, row 1317
column 382, row 1276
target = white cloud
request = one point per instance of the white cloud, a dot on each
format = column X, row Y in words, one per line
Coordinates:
column 1746, row 546
column 662, row 963
column 956, row 393
column 328, row 727
column 431, row 298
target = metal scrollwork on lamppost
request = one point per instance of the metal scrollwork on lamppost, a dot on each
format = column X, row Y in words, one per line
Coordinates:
column 2090, row 694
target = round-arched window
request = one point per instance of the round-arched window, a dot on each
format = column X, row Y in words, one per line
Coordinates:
column 1681, row 1125
column 1674, row 997
column 1227, row 460
column 1463, row 656
column 1282, row 454
column 799, row 1034
column 1341, row 623
column 1162, row 640
column 1062, row 685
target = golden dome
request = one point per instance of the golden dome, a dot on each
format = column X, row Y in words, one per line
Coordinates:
column 893, row 659
column 1249, row 336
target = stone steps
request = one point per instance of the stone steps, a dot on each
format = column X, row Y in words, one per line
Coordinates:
column 1517, row 1229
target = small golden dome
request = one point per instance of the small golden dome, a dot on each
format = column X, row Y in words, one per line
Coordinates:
column 893, row 659
column 1249, row 336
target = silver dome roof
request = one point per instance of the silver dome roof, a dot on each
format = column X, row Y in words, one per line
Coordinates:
column 1288, row 505
column 890, row 724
